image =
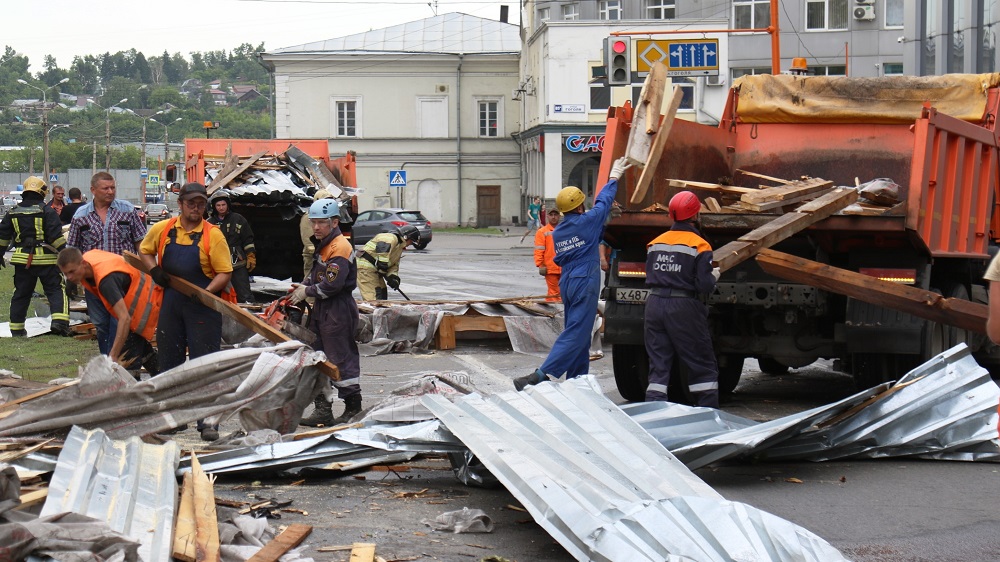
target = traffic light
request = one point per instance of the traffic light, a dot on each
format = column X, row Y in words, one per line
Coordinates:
column 618, row 57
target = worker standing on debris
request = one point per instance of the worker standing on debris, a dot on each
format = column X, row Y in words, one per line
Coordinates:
column 334, row 318
column 378, row 263
column 195, row 250
column 35, row 232
column 306, row 232
column 545, row 251
column 577, row 240
column 239, row 236
column 128, row 294
column 109, row 224
column 678, row 270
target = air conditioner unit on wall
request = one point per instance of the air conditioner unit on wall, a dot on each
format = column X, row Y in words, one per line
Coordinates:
column 864, row 13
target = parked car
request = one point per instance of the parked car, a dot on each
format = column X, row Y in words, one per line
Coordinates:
column 155, row 212
column 141, row 213
column 372, row 222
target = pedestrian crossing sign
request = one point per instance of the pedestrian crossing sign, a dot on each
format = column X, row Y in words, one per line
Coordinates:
column 53, row 178
column 397, row 178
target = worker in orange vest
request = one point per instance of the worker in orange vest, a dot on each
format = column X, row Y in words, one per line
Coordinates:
column 129, row 295
column 545, row 252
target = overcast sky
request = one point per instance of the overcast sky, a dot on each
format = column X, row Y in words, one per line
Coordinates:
column 66, row 28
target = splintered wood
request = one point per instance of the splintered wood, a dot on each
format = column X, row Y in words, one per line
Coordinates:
column 290, row 538
column 196, row 532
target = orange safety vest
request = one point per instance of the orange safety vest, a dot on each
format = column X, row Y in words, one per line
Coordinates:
column 143, row 299
column 229, row 293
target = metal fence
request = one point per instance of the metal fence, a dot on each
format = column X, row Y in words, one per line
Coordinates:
column 128, row 181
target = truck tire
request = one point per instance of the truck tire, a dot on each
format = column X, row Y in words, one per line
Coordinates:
column 631, row 366
column 771, row 366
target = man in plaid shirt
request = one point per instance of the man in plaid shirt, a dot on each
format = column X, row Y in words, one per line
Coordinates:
column 108, row 224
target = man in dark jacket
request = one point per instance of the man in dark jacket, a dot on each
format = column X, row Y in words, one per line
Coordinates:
column 239, row 237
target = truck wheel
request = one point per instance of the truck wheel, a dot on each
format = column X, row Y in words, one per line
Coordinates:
column 870, row 369
column 771, row 366
column 730, row 370
column 631, row 366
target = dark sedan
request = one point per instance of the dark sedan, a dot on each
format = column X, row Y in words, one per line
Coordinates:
column 375, row 221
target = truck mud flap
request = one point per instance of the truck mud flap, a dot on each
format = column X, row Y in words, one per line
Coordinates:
column 875, row 329
column 623, row 323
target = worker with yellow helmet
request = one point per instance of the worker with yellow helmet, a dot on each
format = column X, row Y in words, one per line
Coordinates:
column 35, row 233
column 577, row 241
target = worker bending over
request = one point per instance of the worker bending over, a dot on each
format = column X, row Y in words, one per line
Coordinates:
column 378, row 263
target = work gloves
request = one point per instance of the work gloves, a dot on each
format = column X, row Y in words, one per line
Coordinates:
column 716, row 273
column 392, row 281
column 543, row 270
column 251, row 262
column 298, row 294
column 161, row 277
column 618, row 169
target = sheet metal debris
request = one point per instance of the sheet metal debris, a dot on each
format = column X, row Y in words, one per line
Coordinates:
column 605, row 489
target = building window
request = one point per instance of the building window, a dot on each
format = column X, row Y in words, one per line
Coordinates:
column 892, row 68
column 571, row 11
column 345, row 116
column 751, row 14
column 660, row 9
column 832, row 70
column 687, row 94
column 432, row 117
column 893, row 13
column 609, row 10
column 823, row 15
column 543, row 14
column 600, row 92
column 490, row 118
column 737, row 72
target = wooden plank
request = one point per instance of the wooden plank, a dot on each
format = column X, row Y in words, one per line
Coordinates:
column 748, row 245
column 696, row 185
column 769, row 205
column 291, row 537
column 29, row 499
column 929, row 305
column 184, row 527
column 207, row 547
column 39, row 394
column 11, row 456
column 784, row 193
column 713, row 205
column 763, row 177
column 363, row 552
column 656, row 151
column 231, row 310
column 468, row 323
column 325, row 431
column 652, row 97
column 221, row 181
column 445, row 337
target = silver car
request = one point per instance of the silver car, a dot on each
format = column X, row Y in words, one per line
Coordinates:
column 375, row 221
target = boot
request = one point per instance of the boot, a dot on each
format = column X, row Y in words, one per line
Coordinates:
column 151, row 361
column 321, row 416
column 381, row 293
column 352, row 407
column 19, row 333
column 60, row 328
column 533, row 378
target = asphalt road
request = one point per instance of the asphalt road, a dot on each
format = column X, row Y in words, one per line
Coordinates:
column 884, row 511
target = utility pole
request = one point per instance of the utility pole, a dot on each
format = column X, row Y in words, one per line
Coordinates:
column 45, row 125
column 107, row 133
column 93, row 161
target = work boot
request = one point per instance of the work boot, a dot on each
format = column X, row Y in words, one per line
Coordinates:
column 209, row 433
column 60, row 328
column 321, row 416
column 381, row 293
column 530, row 379
column 352, row 407
column 19, row 333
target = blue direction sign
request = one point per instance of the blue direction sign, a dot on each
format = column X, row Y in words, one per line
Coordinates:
column 692, row 57
column 397, row 178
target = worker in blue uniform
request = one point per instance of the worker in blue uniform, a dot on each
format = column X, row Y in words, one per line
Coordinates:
column 679, row 270
column 577, row 241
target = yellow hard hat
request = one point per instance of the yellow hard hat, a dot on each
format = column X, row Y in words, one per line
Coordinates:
column 322, row 194
column 569, row 198
column 36, row 184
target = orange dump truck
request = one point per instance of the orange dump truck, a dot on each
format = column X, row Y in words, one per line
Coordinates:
column 936, row 137
column 275, row 191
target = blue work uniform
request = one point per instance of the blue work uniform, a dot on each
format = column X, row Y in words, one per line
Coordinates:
column 577, row 240
column 678, row 269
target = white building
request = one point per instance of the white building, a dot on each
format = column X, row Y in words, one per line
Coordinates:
column 431, row 98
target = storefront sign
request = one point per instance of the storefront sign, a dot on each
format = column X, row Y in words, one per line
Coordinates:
column 578, row 143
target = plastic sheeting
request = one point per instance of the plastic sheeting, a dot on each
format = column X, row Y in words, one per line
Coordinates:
column 269, row 387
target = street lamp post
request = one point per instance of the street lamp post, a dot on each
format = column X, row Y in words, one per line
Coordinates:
column 142, row 179
column 107, row 132
column 166, row 138
column 45, row 120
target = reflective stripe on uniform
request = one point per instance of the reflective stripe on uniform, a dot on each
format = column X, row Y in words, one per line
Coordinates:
column 703, row 387
column 344, row 383
column 673, row 248
column 654, row 387
column 16, row 326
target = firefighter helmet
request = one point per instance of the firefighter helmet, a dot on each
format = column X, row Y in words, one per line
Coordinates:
column 324, row 209
column 222, row 194
column 569, row 198
column 408, row 232
column 684, row 206
column 36, row 184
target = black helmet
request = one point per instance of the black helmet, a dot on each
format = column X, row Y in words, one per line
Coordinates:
column 222, row 194
column 408, row 232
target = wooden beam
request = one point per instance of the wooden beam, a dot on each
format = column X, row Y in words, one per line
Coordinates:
column 713, row 205
column 748, row 245
column 184, row 527
column 29, row 499
column 705, row 186
column 221, row 180
column 786, row 192
column 763, row 177
column 769, row 205
column 207, row 548
column 445, row 336
column 363, row 552
column 291, row 537
column 646, row 117
column 656, row 151
column 929, row 305
column 231, row 310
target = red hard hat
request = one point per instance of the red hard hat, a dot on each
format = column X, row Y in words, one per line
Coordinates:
column 684, row 205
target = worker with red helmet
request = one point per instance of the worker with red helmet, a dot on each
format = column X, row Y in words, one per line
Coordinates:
column 679, row 270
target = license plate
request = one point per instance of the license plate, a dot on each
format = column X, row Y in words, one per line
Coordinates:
column 633, row 296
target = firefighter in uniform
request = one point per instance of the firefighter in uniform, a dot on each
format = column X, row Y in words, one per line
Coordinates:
column 239, row 236
column 678, row 270
column 129, row 295
column 577, row 241
column 334, row 317
column 378, row 263
column 35, row 232
column 545, row 252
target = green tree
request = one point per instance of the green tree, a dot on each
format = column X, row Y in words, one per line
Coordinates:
column 84, row 74
column 52, row 74
column 142, row 70
column 171, row 73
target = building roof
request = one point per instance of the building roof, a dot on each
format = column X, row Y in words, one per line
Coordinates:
column 447, row 33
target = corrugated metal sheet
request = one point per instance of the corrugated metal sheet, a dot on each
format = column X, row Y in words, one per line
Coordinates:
column 129, row 484
column 605, row 489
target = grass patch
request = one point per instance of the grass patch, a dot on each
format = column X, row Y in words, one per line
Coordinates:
column 41, row 358
column 493, row 231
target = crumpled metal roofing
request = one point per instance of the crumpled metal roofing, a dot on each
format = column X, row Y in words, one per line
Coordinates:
column 605, row 489
column 129, row 484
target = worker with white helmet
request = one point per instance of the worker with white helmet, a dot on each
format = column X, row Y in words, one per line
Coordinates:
column 334, row 317
column 35, row 233
column 577, row 241
column 678, row 270
column 305, row 231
